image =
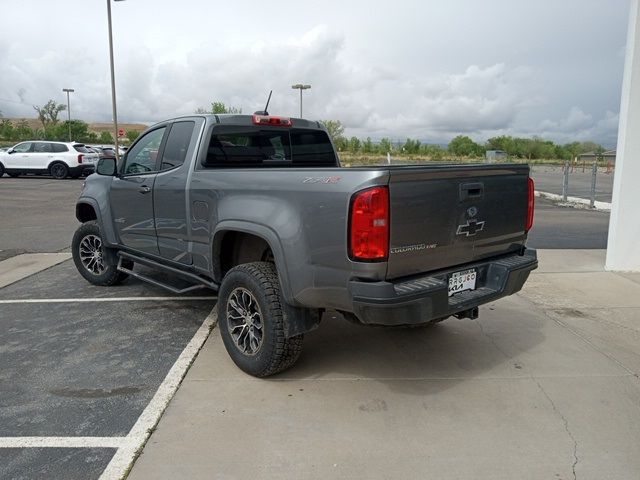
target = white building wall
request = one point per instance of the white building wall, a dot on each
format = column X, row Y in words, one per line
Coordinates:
column 623, row 252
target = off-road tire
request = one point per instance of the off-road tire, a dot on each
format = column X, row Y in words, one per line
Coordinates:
column 59, row 171
column 276, row 352
column 110, row 275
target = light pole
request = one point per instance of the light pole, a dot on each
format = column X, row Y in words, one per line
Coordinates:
column 300, row 86
column 113, row 80
column 68, row 90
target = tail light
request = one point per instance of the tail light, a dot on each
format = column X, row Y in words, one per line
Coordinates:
column 369, row 225
column 530, row 205
column 272, row 121
column 80, row 157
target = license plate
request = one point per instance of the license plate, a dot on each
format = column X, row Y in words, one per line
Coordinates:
column 461, row 281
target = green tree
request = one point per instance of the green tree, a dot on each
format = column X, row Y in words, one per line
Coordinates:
column 79, row 131
column 574, row 149
column 6, row 129
column 22, row 131
column 367, row 146
column 385, row 145
column 354, row 145
column 411, row 146
column 132, row 135
column 48, row 114
column 106, row 138
column 504, row 143
column 591, row 147
column 219, row 108
column 334, row 128
column 463, row 146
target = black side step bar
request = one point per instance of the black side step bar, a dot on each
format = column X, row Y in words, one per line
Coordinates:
column 192, row 277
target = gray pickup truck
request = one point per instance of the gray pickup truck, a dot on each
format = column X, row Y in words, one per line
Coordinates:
column 258, row 208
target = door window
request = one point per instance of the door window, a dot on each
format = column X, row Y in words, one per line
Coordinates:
column 42, row 147
column 175, row 151
column 142, row 157
column 23, row 147
column 59, row 148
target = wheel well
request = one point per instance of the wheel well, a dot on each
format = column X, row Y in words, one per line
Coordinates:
column 85, row 212
column 234, row 248
column 56, row 161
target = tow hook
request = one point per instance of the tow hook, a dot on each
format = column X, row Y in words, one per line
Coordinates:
column 471, row 314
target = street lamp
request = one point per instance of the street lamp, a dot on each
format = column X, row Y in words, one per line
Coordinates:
column 68, row 91
column 300, row 86
column 113, row 80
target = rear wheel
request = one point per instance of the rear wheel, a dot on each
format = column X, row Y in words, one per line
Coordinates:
column 88, row 255
column 59, row 171
column 251, row 321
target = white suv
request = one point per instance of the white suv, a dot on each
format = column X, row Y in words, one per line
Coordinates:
column 58, row 159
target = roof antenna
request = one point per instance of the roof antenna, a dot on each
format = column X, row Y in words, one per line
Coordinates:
column 264, row 112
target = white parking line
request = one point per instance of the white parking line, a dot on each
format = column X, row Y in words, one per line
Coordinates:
column 62, row 442
column 140, row 432
column 97, row 300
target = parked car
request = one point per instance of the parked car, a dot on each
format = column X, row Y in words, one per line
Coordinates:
column 104, row 152
column 58, row 159
column 258, row 208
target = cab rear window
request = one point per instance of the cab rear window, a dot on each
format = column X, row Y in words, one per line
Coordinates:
column 238, row 147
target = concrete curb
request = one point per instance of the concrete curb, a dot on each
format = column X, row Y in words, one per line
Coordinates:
column 22, row 266
column 575, row 201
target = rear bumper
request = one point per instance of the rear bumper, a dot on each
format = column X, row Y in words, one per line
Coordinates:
column 421, row 299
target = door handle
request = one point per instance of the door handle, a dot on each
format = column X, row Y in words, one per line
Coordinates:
column 144, row 189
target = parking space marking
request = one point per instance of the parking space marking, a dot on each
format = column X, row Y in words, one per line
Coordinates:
column 62, row 442
column 139, row 433
column 97, row 300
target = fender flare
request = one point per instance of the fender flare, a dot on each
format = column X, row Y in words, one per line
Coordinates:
column 269, row 236
column 109, row 238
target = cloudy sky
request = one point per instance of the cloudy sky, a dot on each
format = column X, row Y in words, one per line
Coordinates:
column 425, row 69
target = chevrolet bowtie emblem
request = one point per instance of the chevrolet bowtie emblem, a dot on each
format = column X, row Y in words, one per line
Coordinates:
column 470, row 228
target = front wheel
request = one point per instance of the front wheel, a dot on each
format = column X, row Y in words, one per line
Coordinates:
column 251, row 320
column 88, row 255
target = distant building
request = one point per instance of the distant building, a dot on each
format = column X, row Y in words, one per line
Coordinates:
column 609, row 157
column 495, row 155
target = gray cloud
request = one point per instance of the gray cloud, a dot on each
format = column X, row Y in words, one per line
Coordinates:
column 413, row 69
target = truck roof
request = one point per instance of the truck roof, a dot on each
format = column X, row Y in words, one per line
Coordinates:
column 243, row 119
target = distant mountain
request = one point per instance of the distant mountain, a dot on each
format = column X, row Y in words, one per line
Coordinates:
column 93, row 127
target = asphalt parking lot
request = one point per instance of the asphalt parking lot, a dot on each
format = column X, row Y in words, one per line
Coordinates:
column 80, row 365
column 87, row 371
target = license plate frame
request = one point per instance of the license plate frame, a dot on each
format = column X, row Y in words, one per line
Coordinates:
column 462, row 281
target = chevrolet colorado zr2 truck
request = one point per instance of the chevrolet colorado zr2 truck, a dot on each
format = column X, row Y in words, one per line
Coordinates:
column 258, row 208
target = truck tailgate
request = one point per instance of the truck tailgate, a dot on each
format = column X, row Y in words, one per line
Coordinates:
column 450, row 215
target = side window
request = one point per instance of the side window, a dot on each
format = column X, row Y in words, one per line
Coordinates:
column 59, row 148
column 23, row 147
column 42, row 147
column 312, row 147
column 233, row 147
column 141, row 158
column 175, row 150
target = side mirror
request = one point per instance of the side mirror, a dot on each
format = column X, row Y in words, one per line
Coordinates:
column 11, row 150
column 107, row 166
